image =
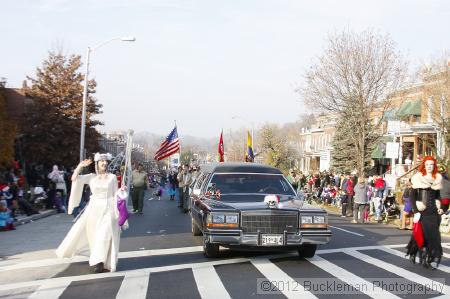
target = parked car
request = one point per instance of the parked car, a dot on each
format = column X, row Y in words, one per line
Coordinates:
column 253, row 206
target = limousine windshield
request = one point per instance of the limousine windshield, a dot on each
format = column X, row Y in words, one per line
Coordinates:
column 250, row 183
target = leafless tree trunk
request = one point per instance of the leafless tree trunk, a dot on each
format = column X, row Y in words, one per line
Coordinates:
column 354, row 77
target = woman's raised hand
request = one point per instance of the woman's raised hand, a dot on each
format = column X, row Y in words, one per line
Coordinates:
column 85, row 163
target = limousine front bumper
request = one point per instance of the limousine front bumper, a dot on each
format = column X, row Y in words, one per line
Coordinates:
column 237, row 237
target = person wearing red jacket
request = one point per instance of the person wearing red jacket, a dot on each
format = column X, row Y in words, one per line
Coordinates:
column 350, row 191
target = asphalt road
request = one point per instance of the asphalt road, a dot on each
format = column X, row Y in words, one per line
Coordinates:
column 159, row 258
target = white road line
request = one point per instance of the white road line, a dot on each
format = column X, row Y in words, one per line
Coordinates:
column 50, row 289
column 347, row 231
column 274, row 273
column 44, row 262
column 156, row 252
column 396, row 270
column 209, row 283
column 349, row 278
column 152, row 252
column 125, row 254
column 118, row 274
column 446, row 255
column 441, row 267
column 134, row 285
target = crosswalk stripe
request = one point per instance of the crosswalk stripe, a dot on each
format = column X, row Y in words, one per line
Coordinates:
column 50, row 289
column 443, row 268
column 396, row 270
column 273, row 273
column 349, row 278
column 134, row 285
column 209, row 284
column 122, row 255
column 7, row 266
column 120, row 273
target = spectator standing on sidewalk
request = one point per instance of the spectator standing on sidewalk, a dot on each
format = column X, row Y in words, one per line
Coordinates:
column 360, row 200
column 379, row 188
column 139, row 179
column 344, row 197
column 180, row 178
column 445, row 190
column 57, row 178
column 350, row 191
column 187, row 183
column 407, row 208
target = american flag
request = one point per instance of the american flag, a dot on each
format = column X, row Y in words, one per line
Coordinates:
column 169, row 147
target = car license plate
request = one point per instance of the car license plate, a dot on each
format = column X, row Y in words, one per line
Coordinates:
column 271, row 240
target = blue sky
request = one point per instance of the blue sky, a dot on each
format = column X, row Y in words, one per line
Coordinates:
column 203, row 62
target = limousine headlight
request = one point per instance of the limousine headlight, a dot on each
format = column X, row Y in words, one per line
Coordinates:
column 319, row 221
column 222, row 220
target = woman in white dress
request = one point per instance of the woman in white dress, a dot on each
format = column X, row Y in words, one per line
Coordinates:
column 97, row 228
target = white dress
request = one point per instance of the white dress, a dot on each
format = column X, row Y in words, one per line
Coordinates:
column 97, row 228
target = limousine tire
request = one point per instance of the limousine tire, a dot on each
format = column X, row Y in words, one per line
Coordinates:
column 307, row 250
column 194, row 228
column 210, row 250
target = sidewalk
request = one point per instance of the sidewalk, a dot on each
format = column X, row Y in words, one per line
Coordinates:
column 37, row 239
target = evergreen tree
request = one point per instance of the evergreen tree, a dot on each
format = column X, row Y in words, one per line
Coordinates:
column 342, row 156
column 346, row 143
column 52, row 123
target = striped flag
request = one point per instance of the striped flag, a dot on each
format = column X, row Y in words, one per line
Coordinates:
column 169, row 147
column 249, row 156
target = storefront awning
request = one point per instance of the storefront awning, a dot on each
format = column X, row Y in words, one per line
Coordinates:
column 380, row 150
column 410, row 108
column 390, row 115
column 377, row 152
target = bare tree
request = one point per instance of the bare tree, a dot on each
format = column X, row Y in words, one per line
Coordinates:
column 275, row 147
column 235, row 145
column 354, row 77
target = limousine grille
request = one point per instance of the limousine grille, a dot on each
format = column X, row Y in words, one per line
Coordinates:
column 271, row 222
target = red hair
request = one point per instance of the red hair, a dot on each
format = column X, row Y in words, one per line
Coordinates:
column 422, row 166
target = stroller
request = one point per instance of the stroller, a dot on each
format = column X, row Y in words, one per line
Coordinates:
column 391, row 209
column 40, row 197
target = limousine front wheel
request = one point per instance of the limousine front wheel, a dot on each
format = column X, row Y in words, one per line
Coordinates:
column 210, row 250
column 307, row 250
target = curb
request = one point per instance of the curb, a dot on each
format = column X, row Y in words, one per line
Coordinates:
column 35, row 217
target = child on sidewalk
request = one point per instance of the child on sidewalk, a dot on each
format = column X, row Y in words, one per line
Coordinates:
column 6, row 221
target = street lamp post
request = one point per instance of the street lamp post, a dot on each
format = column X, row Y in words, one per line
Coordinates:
column 85, row 89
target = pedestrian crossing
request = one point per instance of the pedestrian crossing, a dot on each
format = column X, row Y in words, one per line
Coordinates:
column 276, row 275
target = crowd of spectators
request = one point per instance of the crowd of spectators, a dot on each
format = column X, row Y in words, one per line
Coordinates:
column 366, row 199
column 39, row 189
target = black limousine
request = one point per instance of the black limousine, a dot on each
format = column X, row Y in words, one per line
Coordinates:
column 253, row 206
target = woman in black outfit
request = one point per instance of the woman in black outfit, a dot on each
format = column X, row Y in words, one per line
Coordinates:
column 425, row 202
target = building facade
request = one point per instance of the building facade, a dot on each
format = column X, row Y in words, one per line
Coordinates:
column 417, row 120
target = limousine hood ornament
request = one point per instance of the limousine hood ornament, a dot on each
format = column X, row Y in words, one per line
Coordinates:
column 272, row 201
